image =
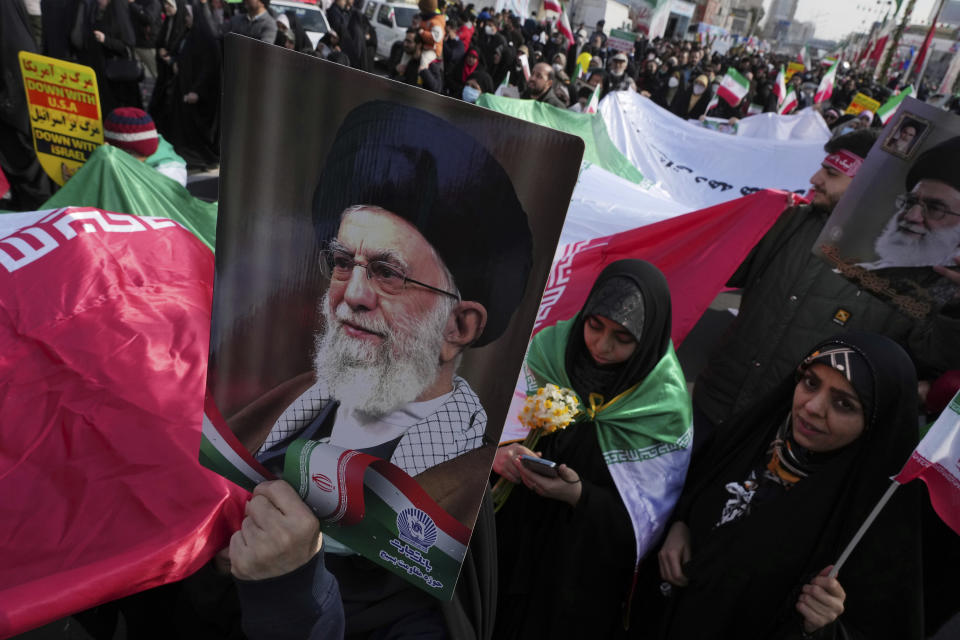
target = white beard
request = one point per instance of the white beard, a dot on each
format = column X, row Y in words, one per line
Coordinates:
column 373, row 380
column 901, row 249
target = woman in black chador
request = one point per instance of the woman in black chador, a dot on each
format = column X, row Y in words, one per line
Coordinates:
column 783, row 490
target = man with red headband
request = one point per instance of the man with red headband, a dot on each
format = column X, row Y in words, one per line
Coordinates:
column 793, row 299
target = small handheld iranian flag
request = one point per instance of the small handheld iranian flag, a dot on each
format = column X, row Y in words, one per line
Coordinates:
column 889, row 108
column 780, row 87
column 936, row 461
column 563, row 24
column 804, row 56
column 503, row 85
column 754, row 109
column 789, row 102
column 825, row 90
column 594, row 101
column 733, row 87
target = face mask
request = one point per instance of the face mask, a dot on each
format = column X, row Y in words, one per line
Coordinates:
column 557, row 68
column 673, row 83
column 489, row 30
column 846, row 129
column 698, row 89
column 470, row 94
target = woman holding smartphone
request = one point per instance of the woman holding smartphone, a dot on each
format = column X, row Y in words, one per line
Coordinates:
column 783, row 490
column 569, row 546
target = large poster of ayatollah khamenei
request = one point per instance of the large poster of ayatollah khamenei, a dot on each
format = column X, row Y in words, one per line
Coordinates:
column 381, row 253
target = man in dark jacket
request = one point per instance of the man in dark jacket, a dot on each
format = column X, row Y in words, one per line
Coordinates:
column 540, row 86
column 793, row 299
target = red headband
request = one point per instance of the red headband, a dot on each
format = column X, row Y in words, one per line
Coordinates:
column 845, row 162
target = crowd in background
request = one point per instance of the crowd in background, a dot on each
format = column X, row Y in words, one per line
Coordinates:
column 165, row 56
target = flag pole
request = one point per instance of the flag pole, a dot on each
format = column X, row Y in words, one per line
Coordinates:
column 863, row 528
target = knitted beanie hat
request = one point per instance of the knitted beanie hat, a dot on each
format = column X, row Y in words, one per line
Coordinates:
column 132, row 130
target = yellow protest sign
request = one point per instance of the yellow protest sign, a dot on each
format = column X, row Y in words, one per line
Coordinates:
column 794, row 67
column 860, row 103
column 64, row 108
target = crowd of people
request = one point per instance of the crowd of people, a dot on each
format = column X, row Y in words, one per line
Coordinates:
column 796, row 428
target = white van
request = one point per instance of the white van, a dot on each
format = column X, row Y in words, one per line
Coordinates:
column 311, row 17
column 391, row 20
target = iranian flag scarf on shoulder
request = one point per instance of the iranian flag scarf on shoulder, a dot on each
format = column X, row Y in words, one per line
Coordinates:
column 645, row 433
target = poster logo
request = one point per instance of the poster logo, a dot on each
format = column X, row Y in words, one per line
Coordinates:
column 417, row 528
column 841, row 317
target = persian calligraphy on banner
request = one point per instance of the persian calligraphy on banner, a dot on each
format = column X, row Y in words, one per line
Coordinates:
column 64, row 107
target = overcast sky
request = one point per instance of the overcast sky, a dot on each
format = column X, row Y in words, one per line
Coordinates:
column 836, row 18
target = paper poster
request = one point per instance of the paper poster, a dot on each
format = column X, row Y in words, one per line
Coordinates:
column 718, row 124
column 901, row 214
column 65, row 118
column 621, row 40
column 380, row 262
column 794, row 67
column 861, row 103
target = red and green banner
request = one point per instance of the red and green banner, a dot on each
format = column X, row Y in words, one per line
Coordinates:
column 104, row 327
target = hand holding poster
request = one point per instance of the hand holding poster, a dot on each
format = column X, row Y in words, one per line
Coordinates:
column 404, row 233
column 897, row 227
column 64, row 110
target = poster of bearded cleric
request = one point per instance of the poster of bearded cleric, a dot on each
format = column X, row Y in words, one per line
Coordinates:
column 900, row 216
column 381, row 253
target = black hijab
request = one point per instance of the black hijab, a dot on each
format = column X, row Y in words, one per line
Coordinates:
column 745, row 576
column 632, row 293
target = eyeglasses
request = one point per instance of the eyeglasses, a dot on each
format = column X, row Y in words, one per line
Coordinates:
column 931, row 210
column 387, row 278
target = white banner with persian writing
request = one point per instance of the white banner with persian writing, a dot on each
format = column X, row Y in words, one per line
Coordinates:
column 698, row 167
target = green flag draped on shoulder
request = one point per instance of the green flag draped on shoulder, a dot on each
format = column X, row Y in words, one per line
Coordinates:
column 645, row 433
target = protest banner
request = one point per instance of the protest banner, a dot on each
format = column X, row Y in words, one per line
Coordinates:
column 792, row 68
column 861, row 103
column 64, row 108
column 622, row 40
column 896, row 220
column 103, row 348
column 367, row 190
column 697, row 168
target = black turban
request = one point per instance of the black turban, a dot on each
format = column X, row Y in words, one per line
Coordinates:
column 937, row 163
column 445, row 183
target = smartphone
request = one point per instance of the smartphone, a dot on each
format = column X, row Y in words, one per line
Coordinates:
column 540, row 466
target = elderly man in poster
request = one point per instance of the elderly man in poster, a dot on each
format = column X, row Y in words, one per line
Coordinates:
column 427, row 250
column 925, row 228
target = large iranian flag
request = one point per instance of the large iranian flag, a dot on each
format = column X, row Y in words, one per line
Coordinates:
column 104, row 327
column 889, row 108
column 825, row 90
column 733, row 87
